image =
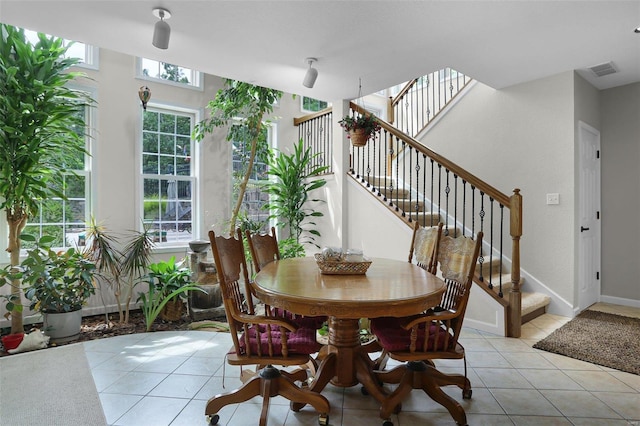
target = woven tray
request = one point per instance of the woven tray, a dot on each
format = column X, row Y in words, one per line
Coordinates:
column 332, row 267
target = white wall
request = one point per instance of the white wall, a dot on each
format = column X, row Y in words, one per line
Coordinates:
column 522, row 137
column 620, row 134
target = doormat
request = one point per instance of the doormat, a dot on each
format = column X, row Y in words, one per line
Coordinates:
column 599, row 338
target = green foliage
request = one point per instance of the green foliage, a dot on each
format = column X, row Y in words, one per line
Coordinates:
column 56, row 281
column 290, row 247
column 290, row 190
column 121, row 268
column 167, row 277
column 242, row 108
column 152, row 302
column 166, row 281
column 40, row 140
column 368, row 122
column 39, row 118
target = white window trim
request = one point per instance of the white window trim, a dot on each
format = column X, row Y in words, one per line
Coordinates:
column 198, row 77
column 196, row 165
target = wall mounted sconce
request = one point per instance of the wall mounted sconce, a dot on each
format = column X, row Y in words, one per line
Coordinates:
column 162, row 30
column 144, row 94
column 311, row 75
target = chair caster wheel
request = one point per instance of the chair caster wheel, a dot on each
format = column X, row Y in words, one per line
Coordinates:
column 387, row 423
column 323, row 420
column 213, row 420
column 466, row 393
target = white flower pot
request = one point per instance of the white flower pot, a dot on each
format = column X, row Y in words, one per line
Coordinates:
column 63, row 327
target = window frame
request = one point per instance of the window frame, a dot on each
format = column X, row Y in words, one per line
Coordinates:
column 194, row 178
column 197, row 83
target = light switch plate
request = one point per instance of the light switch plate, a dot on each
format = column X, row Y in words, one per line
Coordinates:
column 553, row 198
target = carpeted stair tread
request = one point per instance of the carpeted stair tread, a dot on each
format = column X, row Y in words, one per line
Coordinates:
column 533, row 301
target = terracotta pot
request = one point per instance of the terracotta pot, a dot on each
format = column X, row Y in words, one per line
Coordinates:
column 358, row 137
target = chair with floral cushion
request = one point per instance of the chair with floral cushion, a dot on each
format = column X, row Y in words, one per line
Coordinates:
column 260, row 340
column 264, row 249
column 420, row 339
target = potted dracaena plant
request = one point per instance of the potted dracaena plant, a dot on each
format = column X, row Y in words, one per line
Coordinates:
column 360, row 128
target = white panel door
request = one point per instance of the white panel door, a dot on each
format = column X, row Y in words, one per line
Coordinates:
column 589, row 221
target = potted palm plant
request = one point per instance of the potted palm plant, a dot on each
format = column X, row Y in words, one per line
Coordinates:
column 58, row 284
column 360, row 128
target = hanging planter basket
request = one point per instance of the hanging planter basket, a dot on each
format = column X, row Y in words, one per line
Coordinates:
column 359, row 137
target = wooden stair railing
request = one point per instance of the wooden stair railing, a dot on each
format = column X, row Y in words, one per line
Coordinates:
column 315, row 130
column 419, row 184
column 422, row 99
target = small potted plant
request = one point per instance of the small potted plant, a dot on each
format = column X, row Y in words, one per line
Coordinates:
column 168, row 287
column 58, row 284
column 360, row 128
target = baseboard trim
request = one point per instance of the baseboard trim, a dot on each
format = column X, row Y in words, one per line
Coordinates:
column 620, row 301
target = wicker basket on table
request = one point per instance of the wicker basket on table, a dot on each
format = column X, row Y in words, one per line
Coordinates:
column 340, row 267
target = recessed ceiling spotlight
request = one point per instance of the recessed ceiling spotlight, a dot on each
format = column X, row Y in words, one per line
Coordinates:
column 637, row 30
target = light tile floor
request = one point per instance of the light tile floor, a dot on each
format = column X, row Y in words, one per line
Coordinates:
column 165, row 378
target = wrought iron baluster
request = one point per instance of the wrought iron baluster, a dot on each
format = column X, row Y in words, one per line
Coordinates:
column 464, row 207
column 447, row 190
column 501, row 240
column 432, row 184
column 455, row 202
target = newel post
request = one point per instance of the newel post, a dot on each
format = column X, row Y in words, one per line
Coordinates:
column 515, row 297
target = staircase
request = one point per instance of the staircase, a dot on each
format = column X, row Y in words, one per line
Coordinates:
column 418, row 184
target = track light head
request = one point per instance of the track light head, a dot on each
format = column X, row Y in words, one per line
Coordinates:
column 162, row 30
column 311, row 75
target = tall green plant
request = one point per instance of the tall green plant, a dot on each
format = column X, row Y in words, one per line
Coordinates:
column 242, row 107
column 289, row 191
column 38, row 118
column 121, row 268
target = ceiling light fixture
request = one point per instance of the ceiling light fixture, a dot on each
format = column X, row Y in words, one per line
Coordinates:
column 637, row 30
column 311, row 75
column 162, row 30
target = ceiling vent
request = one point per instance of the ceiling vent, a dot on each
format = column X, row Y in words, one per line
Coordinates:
column 603, row 69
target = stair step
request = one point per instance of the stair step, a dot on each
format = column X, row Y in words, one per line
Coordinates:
column 428, row 218
column 380, row 181
column 533, row 305
column 490, row 266
column 495, row 281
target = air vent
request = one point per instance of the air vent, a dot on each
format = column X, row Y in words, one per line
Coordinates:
column 603, row 69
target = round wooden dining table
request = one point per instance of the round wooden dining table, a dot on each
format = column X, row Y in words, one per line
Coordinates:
column 388, row 288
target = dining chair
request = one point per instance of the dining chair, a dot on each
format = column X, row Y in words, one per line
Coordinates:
column 420, row 339
column 425, row 242
column 264, row 249
column 260, row 340
column 424, row 246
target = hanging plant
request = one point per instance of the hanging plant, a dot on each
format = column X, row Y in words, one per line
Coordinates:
column 360, row 128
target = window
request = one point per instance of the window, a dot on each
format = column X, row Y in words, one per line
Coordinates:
column 313, row 105
column 255, row 196
column 168, row 175
column 156, row 70
column 65, row 219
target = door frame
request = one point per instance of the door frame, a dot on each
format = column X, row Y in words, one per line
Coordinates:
column 589, row 297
